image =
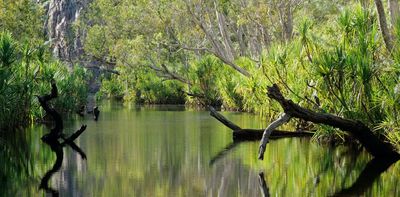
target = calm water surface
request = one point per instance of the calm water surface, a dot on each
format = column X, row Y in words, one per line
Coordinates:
column 170, row 151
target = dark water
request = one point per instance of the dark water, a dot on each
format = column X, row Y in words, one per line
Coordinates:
column 169, row 151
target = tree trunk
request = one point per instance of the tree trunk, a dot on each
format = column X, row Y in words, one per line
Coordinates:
column 242, row 40
column 383, row 25
column 43, row 100
column 57, row 131
column 362, row 133
column 218, row 49
column 52, row 139
column 393, row 11
column 288, row 23
column 229, row 53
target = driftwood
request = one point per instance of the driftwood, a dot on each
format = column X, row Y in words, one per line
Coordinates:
column 254, row 134
column 57, row 131
column 360, row 131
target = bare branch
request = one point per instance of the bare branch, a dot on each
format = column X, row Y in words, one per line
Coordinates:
column 284, row 118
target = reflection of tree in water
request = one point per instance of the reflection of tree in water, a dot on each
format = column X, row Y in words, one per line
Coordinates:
column 16, row 167
column 229, row 170
column 371, row 172
column 57, row 148
column 230, row 177
column 263, row 185
column 53, row 139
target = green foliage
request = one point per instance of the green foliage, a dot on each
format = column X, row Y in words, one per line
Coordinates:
column 204, row 74
column 23, row 18
column 141, row 85
column 20, row 155
column 7, row 50
column 334, row 62
column 24, row 74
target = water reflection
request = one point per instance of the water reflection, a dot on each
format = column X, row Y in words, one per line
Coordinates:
column 168, row 153
column 57, row 148
column 223, row 152
column 263, row 185
column 350, row 158
column 22, row 162
column 367, row 177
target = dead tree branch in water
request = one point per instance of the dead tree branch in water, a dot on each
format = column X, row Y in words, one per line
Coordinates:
column 52, row 139
column 56, row 132
column 360, row 131
column 284, row 118
column 255, row 134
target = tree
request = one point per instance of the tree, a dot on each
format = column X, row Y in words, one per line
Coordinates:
column 387, row 37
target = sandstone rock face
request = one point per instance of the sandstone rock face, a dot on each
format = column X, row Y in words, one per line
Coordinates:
column 66, row 42
column 66, row 39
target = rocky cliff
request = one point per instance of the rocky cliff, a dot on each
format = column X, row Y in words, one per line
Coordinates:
column 66, row 39
column 66, row 42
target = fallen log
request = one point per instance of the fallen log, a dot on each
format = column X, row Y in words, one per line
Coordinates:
column 357, row 129
column 240, row 134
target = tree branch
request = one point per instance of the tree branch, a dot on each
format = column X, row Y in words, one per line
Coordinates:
column 361, row 132
column 284, row 118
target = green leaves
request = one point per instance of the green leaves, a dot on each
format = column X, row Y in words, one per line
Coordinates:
column 7, row 49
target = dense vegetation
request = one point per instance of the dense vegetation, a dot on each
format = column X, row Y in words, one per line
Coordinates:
column 328, row 56
column 340, row 57
column 25, row 73
column 27, row 68
column 335, row 57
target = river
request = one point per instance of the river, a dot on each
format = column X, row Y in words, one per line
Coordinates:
column 173, row 151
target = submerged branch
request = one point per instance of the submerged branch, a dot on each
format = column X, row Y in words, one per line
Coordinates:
column 223, row 120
